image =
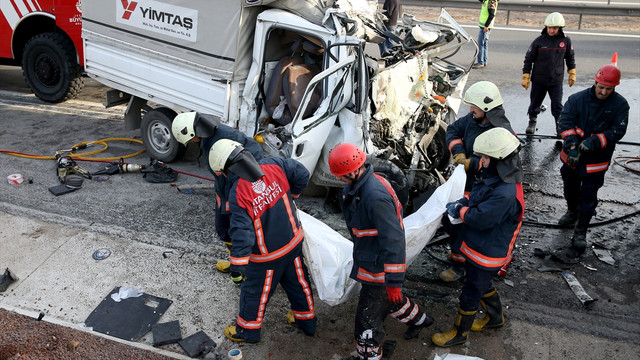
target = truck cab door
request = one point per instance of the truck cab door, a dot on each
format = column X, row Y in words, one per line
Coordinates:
column 309, row 134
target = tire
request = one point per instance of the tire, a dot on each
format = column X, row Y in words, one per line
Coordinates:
column 50, row 68
column 157, row 137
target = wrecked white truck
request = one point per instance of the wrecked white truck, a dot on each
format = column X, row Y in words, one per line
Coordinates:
column 298, row 76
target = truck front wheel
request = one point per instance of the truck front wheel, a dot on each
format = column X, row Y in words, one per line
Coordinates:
column 157, row 137
column 50, row 68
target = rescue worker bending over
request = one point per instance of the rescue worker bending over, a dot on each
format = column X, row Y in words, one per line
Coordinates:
column 486, row 112
column 491, row 218
column 206, row 130
column 373, row 215
column 266, row 235
column 592, row 122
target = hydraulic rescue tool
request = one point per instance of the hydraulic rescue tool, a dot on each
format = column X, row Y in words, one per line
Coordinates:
column 68, row 166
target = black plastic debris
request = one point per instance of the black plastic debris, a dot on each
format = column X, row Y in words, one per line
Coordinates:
column 197, row 344
column 537, row 252
column 128, row 319
column 6, row 279
column 61, row 189
column 166, row 333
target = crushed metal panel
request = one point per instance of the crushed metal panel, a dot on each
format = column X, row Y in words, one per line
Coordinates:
column 604, row 255
column 578, row 289
column 128, row 319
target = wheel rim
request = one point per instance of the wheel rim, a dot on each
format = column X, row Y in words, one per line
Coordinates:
column 160, row 137
column 47, row 70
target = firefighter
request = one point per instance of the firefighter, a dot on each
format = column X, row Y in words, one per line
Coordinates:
column 206, row 130
column 547, row 55
column 491, row 219
column 373, row 215
column 486, row 112
column 266, row 235
column 592, row 122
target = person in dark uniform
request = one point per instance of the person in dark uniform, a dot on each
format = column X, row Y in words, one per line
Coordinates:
column 491, row 218
column 391, row 9
column 373, row 215
column 266, row 235
column 591, row 124
column 544, row 69
column 206, row 130
column 486, row 113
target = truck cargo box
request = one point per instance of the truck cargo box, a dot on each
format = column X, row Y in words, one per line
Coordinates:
column 196, row 48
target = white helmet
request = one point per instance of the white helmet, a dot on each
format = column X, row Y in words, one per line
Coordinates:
column 188, row 125
column 226, row 154
column 183, row 127
column 483, row 94
column 497, row 143
column 555, row 19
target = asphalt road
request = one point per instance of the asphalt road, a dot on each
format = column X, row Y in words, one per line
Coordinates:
column 158, row 214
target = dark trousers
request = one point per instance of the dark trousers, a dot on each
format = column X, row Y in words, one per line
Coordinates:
column 456, row 258
column 538, row 92
column 581, row 192
column 373, row 308
column 223, row 223
column 476, row 284
column 262, row 279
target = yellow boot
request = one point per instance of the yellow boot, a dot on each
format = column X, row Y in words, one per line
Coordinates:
column 223, row 266
column 459, row 333
column 494, row 318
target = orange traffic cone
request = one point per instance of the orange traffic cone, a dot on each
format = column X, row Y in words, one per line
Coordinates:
column 614, row 59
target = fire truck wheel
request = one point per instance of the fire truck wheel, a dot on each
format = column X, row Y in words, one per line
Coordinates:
column 157, row 137
column 50, row 68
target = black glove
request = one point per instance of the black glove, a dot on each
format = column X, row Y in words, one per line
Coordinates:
column 573, row 156
column 586, row 146
column 237, row 277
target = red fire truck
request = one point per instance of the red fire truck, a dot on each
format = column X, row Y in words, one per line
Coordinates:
column 44, row 37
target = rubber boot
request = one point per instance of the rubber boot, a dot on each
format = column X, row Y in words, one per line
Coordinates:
column 494, row 318
column 531, row 128
column 454, row 273
column 569, row 218
column 579, row 240
column 413, row 330
column 558, row 144
column 459, row 333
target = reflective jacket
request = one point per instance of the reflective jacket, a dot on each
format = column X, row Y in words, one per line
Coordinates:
column 603, row 122
column 487, row 13
column 547, row 56
column 461, row 135
column 492, row 216
column 373, row 215
column 226, row 132
column 264, row 224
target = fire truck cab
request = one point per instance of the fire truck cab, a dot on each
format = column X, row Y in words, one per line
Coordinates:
column 44, row 37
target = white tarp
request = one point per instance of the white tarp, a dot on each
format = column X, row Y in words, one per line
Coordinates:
column 329, row 254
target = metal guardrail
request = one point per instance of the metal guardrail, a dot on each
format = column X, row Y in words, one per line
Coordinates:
column 581, row 9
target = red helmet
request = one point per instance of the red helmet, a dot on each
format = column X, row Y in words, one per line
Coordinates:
column 608, row 75
column 345, row 158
